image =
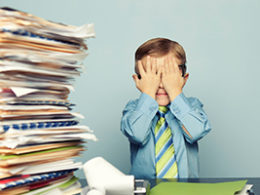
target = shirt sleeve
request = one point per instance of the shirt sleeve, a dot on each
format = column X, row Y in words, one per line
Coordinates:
column 137, row 118
column 192, row 118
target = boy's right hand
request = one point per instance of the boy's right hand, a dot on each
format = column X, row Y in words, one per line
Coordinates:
column 150, row 79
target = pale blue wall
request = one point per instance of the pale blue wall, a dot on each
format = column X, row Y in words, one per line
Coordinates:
column 222, row 42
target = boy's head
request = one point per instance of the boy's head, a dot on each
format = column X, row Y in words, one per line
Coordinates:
column 161, row 48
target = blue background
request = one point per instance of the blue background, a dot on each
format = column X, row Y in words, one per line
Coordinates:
column 221, row 39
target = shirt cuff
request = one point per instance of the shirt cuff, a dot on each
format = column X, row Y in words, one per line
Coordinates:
column 147, row 104
column 180, row 106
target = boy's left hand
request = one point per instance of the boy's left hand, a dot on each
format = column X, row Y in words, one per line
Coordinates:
column 172, row 79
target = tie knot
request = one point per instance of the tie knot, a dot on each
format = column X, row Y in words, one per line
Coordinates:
column 162, row 111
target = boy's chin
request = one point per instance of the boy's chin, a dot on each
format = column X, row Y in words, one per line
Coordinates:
column 163, row 101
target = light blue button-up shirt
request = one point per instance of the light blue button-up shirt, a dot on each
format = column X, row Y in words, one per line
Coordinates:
column 188, row 123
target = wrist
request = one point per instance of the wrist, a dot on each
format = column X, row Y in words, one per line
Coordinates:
column 149, row 92
column 173, row 94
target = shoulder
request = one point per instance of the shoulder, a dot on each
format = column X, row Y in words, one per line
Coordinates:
column 193, row 101
column 131, row 104
column 143, row 103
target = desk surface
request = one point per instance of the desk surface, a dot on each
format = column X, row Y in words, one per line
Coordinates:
column 255, row 181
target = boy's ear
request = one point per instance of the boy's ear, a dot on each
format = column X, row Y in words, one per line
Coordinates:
column 186, row 76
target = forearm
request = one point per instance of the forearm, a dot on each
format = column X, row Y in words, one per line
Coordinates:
column 192, row 118
column 136, row 120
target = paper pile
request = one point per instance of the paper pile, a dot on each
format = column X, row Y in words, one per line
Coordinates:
column 39, row 134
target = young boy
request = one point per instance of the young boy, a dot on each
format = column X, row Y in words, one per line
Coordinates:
column 162, row 125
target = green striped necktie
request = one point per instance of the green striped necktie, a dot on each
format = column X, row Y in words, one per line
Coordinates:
column 165, row 160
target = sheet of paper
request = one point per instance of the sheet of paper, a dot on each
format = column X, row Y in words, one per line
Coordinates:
column 20, row 91
column 23, row 140
column 44, row 168
column 8, row 125
column 62, row 188
column 11, row 160
column 225, row 188
column 8, row 66
column 29, row 181
column 36, row 147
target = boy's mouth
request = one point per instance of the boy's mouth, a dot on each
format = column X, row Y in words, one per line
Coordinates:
column 161, row 94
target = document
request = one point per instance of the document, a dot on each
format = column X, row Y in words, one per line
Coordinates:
column 224, row 188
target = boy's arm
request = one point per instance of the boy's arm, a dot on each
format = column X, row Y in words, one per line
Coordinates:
column 192, row 118
column 137, row 117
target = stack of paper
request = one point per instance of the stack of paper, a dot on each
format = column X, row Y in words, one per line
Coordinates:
column 39, row 133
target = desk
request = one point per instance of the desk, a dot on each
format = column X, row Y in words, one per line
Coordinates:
column 255, row 181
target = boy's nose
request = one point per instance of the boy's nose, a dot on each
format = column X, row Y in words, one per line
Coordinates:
column 161, row 85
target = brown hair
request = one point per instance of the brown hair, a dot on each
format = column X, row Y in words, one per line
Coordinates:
column 159, row 47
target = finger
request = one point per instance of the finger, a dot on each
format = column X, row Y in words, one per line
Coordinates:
column 166, row 64
column 159, row 70
column 148, row 64
column 171, row 63
column 162, row 67
column 178, row 69
column 175, row 65
column 158, row 67
column 140, row 68
column 154, row 65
